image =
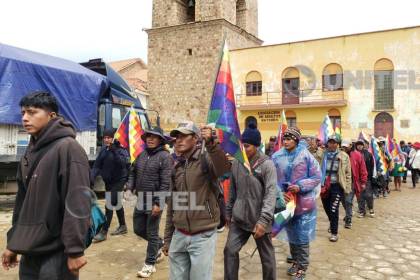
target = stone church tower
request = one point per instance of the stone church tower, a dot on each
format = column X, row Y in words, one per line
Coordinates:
column 184, row 52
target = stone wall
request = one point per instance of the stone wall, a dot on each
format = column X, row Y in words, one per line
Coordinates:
column 183, row 62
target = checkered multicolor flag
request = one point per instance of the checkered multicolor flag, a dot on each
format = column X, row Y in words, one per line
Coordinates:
column 129, row 134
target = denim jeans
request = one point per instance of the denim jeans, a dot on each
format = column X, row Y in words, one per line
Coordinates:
column 300, row 253
column 45, row 267
column 191, row 256
column 147, row 227
column 348, row 205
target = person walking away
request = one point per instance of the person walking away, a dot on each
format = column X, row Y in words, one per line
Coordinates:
column 51, row 216
column 359, row 179
column 190, row 230
column 336, row 182
column 414, row 162
column 366, row 197
column 112, row 164
column 250, row 208
column 150, row 174
column 298, row 172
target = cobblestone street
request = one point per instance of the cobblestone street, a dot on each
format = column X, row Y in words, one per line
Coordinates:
column 385, row 247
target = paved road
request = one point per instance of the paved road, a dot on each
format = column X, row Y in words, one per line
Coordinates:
column 385, row 247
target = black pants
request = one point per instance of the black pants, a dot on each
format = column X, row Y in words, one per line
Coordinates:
column 414, row 174
column 109, row 212
column 237, row 238
column 45, row 267
column 300, row 254
column 147, row 227
column 366, row 197
column 332, row 205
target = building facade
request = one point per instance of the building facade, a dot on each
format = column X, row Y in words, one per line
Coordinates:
column 184, row 52
column 366, row 82
column 134, row 71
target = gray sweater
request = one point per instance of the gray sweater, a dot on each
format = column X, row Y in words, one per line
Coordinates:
column 252, row 198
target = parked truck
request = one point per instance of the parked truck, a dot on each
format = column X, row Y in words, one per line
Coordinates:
column 91, row 95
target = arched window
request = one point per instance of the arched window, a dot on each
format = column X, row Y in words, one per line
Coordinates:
column 290, row 86
column 332, row 77
column 250, row 120
column 291, row 119
column 241, row 13
column 253, row 83
column 384, row 125
column 335, row 118
column 384, row 89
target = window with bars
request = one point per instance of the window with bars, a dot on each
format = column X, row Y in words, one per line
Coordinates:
column 291, row 122
column 254, row 88
column 384, row 91
column 332, row 82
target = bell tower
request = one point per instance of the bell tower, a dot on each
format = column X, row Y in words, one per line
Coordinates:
column 184, row 51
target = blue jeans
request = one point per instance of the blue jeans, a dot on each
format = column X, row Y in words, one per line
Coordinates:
column 191, row 257
column 348, row 205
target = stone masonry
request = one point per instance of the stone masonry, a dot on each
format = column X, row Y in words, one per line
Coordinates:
column 184, row 52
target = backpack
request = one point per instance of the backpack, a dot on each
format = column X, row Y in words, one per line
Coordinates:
column 97, row 221
column 97, row 217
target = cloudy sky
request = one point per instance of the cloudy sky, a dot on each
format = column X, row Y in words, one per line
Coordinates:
column 83, row 29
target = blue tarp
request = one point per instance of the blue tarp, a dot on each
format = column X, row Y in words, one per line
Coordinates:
column 76, row 88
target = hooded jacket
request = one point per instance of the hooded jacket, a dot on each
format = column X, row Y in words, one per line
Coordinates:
column 52, row 213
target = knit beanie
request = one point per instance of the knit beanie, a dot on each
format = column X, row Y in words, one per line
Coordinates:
column 109, row 132
column 251, row 135
column 294, row 133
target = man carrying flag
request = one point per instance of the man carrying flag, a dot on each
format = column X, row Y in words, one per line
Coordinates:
column 191, row 222
column 250, row 207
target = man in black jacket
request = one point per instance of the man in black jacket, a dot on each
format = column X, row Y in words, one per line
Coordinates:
column 149, row 175
column 366, row 197
column 52, row 210
column 112, row 164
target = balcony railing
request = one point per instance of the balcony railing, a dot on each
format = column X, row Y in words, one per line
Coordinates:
column 292, row 99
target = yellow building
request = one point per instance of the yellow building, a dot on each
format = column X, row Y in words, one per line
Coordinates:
column 366, row 82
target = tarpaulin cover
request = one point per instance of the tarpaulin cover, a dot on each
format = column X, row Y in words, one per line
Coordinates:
column 76, row 88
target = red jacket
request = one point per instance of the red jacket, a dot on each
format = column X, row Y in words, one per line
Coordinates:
column 358, row 171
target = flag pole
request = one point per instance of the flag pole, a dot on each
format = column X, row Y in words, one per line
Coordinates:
column 222, row 46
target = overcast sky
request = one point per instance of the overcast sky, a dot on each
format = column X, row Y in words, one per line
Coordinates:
column 83, row 29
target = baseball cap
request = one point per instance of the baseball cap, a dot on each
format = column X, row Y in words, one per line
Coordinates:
column 333, row 138
column 186, row 127
column 345, row 143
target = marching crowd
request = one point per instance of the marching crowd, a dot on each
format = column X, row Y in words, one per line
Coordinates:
column 51, row 215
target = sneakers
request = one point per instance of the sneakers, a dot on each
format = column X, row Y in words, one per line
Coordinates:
column 293, row 269
column 101, row 236
column 300, row 275
column 361, row 215
column 146, row 271
column 348, row 225
column 334, row 238
column 371, row 213
column 289, row 259
column 120, row 230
